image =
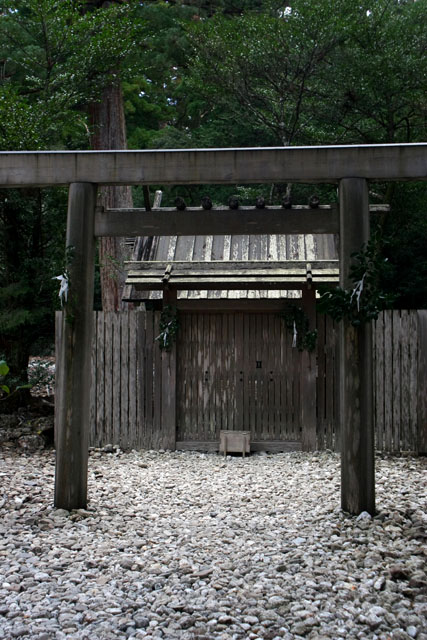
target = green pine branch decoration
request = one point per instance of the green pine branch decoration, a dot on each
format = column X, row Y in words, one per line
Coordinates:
column 169, row 325
column 298, row 323
column 365, row 299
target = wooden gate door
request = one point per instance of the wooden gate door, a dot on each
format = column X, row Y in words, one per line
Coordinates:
column 237, row 371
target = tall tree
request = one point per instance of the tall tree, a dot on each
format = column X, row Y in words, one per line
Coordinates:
column 55, row 60
column 108, row 127
column 377, row 90
column 264, row 69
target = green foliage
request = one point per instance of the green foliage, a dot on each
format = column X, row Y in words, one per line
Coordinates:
column 4, row 370
column 265, row 69
column 378, row 88
column 298, row 324
column 405, row 228
column 6, row 389
column 31, row 251
column 364, row 301
column 57, row 57
column 169, row 326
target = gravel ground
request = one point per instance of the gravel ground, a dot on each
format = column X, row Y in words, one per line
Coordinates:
column 195, row 546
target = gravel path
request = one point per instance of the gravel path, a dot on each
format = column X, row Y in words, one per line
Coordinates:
column 192, row 546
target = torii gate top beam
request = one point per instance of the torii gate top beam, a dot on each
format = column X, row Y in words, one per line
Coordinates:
column 215, row 166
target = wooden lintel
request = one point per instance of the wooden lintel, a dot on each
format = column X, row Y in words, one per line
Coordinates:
column 215, row 166
column 264, row 274
column 373, row 208
column 220, row 221
column 222, row 266
column 231, row 284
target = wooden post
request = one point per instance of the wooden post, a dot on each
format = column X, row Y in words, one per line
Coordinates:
column 72, row 428
column 309, row 378
column 168, row 417
column 355, row 364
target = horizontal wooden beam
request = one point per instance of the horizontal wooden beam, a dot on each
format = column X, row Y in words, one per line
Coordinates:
column 230, row 283
column 259, row 305
column 256, row 305
column 219, row 221
column 216, row 267
column 215, row 166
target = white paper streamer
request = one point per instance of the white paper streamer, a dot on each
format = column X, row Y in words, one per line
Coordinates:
column 63, row 289
column 294, row 340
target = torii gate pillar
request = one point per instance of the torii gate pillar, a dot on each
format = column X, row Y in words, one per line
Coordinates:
column 355, row 364
column 72, row 414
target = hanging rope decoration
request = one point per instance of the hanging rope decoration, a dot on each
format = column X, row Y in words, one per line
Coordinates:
column 298, row 323
column 169, row 326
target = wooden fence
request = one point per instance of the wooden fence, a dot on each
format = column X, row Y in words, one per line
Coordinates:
column 133, row 394
column 400, row 381
column 130, row 381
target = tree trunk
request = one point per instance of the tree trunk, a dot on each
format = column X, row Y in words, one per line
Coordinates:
column 109, row 132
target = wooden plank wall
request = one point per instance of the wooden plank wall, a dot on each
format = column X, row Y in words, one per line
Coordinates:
column 396, row 389
column 128, row 370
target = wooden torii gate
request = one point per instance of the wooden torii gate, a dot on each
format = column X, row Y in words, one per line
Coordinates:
column 349, row 166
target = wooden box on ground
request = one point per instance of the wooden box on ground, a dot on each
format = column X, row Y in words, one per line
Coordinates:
column 234, row 442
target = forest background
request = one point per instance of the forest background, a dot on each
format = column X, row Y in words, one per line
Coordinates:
column 122, row 74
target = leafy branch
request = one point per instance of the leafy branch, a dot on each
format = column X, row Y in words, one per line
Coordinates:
column 296, row 321
column 365, row 299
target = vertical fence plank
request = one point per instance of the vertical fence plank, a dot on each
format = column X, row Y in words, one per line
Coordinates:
column 116, row 377
column 108, row 376
column 405, row 397
column 133, row 378
column 379, row 381
column 388, row 381
column 157, row 383
column 396, row 374
column 149, row 375
column 123, row 426
column 421, row 444
column 204, row 376
column 98, row 383
column 289, row 372
column 92, row 394
column 414, row 390
column 218, row 361
column 308, row 384
column 336, row 442
column 188, row 419
column 142, row 373
column 239, row 373
column 321, row 387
